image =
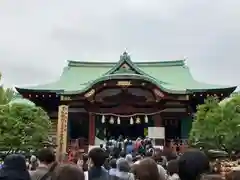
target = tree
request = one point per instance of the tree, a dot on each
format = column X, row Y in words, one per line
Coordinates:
column 204, row 130
column 217, row 126
column 231, row 124
column 23, row 127
column 6, row 94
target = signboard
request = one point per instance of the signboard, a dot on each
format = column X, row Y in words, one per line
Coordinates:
column 156, row 132
column 62, row 129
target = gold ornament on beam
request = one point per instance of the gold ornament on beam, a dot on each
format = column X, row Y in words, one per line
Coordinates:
column 65, row 98
column 138, row 120
column 103, row 119
column 131, row 120
column 111, row 121
column 89, row 93
column 124, row 83
column 146, row 119
column 118, row 120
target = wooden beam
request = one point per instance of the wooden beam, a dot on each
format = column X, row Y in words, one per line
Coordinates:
column 136, row 105
column 124, row 110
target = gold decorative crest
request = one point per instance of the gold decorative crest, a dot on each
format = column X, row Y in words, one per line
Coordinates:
column 124, row 83
column 89, row 93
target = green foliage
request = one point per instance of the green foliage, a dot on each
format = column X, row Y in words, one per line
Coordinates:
column 23, row 127
column 6, row 94
column 217, row 126
column 235, row 93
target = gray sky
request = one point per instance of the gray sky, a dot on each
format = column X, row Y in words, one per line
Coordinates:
column 38, row 36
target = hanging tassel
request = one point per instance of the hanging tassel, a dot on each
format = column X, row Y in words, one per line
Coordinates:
column 146, row 119
column 138, row 120
column 103, row 119
column 131, row 120
column 111, row 120
column 118, row 120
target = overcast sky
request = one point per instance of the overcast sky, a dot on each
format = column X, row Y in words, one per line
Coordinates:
column 38, row 36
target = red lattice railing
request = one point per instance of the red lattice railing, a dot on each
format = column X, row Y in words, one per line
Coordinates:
column 177, row 145
column 76, row 147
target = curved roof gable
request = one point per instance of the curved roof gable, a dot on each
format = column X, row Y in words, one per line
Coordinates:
column 126, row 65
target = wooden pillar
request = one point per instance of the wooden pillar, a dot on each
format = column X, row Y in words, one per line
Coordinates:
column 91, row 138
column 62, row 131
column 158, row 120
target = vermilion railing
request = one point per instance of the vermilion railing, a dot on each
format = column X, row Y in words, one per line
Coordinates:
column 76, row 147
column 177, row 145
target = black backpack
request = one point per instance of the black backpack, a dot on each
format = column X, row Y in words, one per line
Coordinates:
column 50, row 172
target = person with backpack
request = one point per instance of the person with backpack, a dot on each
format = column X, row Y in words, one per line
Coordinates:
column 46, row 167
column 96, row 159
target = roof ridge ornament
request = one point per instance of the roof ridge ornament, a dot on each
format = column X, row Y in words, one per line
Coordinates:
column 185, row 62
column 125, row 56
column 125, row 51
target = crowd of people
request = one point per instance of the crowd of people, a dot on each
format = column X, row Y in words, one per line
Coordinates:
column 117, row 160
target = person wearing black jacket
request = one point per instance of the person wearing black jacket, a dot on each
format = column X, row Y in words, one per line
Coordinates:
column 46, row 167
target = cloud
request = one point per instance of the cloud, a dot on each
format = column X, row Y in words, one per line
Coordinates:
column 37, row 37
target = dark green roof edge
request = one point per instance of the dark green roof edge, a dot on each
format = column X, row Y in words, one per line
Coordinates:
column 231, row 89
column 73, row 63
column 187, row 91
column 20, row 89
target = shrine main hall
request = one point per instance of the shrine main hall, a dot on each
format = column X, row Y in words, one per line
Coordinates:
column 94, row 101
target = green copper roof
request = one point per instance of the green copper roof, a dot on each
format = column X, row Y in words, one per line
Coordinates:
column 170, row 76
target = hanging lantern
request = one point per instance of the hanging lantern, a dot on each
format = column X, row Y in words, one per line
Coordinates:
column 138, row 120
column 103, row 119
column 131, row 120
column 146, row 119
column 118, row 120
column 111, row 121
